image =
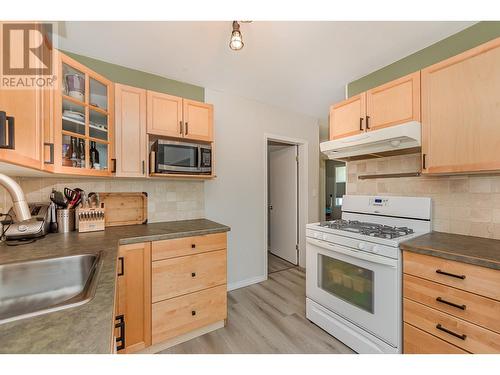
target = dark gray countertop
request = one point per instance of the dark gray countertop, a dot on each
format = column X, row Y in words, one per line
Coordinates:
column 480, row 251
column 87, row 328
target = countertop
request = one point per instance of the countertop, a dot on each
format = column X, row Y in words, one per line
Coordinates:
column 87, row 328
column 479, row 251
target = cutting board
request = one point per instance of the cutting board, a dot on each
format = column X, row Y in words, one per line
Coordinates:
column 125, row 208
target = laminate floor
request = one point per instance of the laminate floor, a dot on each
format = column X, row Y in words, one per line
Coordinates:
column 276, row 264
column 268, row 317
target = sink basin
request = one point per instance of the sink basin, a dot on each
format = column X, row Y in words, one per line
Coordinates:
column 45, row 285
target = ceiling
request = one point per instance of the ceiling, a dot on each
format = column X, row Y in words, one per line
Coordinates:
column 300, row 66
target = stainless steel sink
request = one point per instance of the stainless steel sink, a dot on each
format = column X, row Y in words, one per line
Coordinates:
column 45, row 285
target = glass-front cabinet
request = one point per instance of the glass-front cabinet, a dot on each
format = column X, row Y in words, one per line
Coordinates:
column 83, row 121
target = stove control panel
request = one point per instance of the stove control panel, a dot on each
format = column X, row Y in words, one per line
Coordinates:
column 378, row 202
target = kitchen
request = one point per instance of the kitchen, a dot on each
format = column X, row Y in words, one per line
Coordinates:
column 160, row 236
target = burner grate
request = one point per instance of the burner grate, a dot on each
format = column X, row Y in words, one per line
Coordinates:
column 368, row 229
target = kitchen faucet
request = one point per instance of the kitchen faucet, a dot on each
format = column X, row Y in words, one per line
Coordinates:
column 20, row 205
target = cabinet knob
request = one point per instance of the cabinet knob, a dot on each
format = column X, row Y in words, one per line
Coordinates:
column 193, row 274
column 193, row 246
column 193, row 313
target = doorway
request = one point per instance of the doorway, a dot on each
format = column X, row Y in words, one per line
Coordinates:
column 283, row 205
column 335, row 188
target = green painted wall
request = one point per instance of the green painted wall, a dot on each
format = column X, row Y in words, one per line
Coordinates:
column 137, row 78
column 478, row 33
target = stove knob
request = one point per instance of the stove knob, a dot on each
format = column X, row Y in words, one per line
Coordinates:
column 375, row 249
column 361, row 246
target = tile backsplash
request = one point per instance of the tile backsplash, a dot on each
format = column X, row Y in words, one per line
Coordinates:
column 467, row 205
column 167, row 200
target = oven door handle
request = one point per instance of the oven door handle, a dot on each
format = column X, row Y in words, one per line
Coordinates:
column 354, row 253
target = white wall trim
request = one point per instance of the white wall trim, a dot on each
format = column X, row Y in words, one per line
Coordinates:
column 247, row 282
column 303, row 191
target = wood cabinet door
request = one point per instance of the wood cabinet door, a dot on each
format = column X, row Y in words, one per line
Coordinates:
column 198, row 120
column 347, row 117
column 134, row 294
column 130, row 129
column 461, row 112
column 25, row 107
column 393, row 103
column 164, row 114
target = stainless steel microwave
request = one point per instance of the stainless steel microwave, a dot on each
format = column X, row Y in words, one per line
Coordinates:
column 181, row 157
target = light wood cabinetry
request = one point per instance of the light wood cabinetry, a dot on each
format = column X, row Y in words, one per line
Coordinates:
column 175, row 117
column 393, row 103
column 347, row 117
column 131, row 151
column 188, row 246
column 449, row 304
column 390, row 104
column 461, row 112
column 134, row 296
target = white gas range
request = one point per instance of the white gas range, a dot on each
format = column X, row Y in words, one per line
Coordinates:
column 353, row 278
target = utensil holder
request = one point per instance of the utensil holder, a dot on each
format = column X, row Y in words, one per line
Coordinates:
column 65, row 220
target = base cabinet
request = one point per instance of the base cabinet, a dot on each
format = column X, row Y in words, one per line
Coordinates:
column 133, row 307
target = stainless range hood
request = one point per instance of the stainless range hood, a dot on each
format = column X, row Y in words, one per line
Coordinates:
column 393, row 140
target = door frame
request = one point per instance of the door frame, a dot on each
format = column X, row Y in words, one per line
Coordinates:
column 302, row 194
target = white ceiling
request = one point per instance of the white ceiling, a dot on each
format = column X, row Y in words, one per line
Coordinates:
column 301, row 66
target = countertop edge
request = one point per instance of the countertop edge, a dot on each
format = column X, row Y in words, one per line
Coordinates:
column 169, row 236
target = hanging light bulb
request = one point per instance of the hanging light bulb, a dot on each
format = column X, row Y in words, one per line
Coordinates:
column 236, row 42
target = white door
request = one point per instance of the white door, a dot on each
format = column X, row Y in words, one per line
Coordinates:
column 283, row 201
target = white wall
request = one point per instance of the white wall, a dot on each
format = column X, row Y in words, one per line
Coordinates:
column 237, row 196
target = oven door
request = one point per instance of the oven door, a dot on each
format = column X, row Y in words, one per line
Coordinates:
column 361, row 287
column 178, row 157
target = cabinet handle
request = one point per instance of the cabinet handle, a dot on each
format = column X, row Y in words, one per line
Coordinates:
column 461, row 307
column 367, row 122
column 193, row 274
column 113, row 170
column 122, row 266
column 180, row 127
column 361, row 123
column 143, row 167
column 51, row 151
column 441, row 328
column 187, row 124
column 121, row 326
column 193, row 246
column 7, row 138
column 450, row 274
column 423, row 161
column 193, row 313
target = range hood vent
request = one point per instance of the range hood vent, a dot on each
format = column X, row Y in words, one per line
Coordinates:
column 393, row 140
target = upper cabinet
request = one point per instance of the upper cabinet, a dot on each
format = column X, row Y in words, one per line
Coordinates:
column 393, row 103
column 164, row 115
column 131, row 152
column 171, row 116
column 461, row 112
column 82, row 134
column 346, row 118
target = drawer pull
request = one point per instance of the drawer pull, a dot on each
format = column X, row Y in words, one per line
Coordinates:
column 450, row 274
column 193, row 313
column 441, row 328
column 193, row 246
column 193, row 274
column 461, row 307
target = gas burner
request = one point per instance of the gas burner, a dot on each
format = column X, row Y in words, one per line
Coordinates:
column 367, row 229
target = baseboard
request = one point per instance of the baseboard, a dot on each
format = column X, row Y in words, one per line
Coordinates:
column 247, row 282
column 182, row 338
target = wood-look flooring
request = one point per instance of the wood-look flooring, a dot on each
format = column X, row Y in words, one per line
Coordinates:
column 268, row 317
column 276, row 264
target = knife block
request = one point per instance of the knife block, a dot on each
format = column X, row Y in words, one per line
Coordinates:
column 90, row 219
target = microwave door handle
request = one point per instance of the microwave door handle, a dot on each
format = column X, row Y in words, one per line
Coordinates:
column 199, row 158
column 354, row 253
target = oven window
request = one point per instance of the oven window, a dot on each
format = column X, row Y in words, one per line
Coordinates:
column 347, row 281
column 180, row 156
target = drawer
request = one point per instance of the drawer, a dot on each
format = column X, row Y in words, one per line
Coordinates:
column 180, row 315
column 474, row 339
column 178, row 247
column 178, row 276
column 468, row 306
column 480, row 280
column 416, row 341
